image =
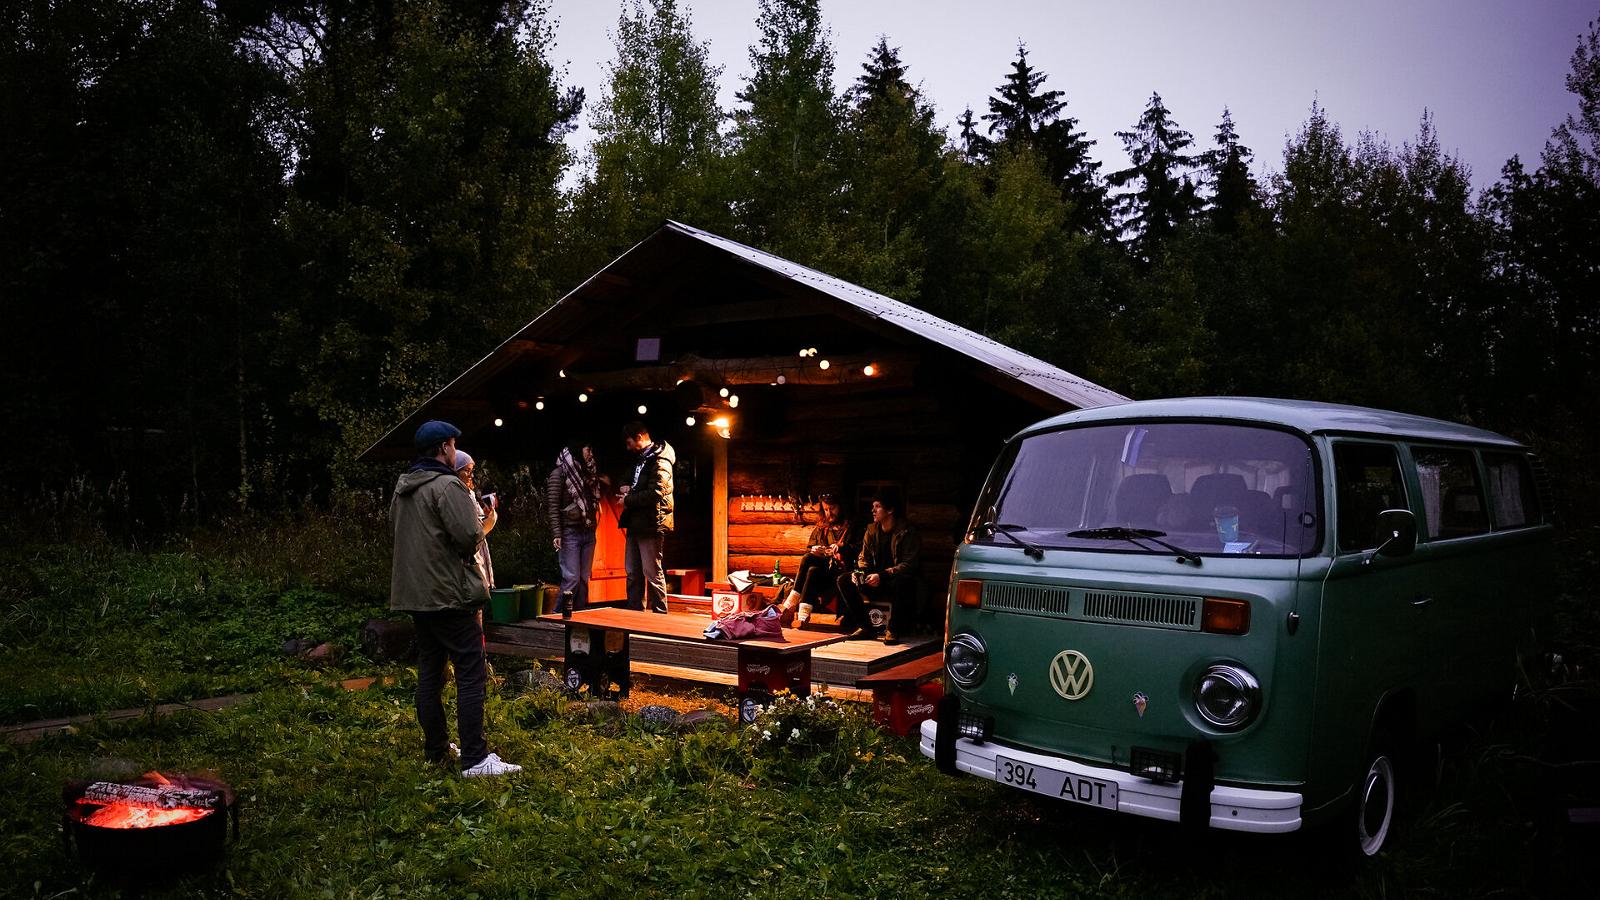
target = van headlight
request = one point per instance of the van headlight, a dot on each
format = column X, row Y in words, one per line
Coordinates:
column 1227, row 696
column 966, row 659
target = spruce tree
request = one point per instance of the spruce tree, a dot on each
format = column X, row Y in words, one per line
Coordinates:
column 1235, row 193
column 787, row 134
column 1021, row 114
column 893, row 153
column 1161, row 195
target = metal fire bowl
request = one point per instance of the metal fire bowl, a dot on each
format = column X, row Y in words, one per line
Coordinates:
column 148, row 852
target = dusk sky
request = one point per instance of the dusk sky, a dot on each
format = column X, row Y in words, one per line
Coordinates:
column 1491, row 71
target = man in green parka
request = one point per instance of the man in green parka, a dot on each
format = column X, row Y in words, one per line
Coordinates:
column 437, row 580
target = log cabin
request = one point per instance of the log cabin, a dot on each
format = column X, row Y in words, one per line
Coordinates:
column 774, row 383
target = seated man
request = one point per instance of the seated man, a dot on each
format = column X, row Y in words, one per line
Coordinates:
column 889, row 569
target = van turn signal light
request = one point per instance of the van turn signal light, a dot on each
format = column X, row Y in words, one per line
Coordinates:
column 969, row 593
column 1224, row 616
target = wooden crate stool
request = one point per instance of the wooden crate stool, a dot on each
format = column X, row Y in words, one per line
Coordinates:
column 906, row 695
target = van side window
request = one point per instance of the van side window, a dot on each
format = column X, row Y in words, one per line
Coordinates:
column 1452, row 499
column 1513, row 499
column 1369, row 482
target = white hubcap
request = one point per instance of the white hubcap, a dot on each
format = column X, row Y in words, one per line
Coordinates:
column 1376, row 806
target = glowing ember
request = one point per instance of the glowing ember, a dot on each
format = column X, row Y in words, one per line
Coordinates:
column 127, row 815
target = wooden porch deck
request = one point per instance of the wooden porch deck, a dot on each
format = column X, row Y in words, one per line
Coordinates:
column 838, row 665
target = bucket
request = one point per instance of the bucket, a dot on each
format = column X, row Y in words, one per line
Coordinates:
column 503, row 605
column 527, row 601
column 549, row 594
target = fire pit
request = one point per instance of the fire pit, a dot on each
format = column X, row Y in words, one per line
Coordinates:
column 151, row 824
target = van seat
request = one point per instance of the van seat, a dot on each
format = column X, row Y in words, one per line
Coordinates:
column 1140, row 499
column 1212, row 491
column 1462, row 513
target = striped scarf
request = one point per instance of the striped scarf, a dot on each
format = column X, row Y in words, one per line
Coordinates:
column 580, row 481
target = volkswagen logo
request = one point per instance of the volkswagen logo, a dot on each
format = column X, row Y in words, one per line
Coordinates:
column 1071, row 675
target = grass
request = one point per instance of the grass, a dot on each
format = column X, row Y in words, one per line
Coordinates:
column 338, row 803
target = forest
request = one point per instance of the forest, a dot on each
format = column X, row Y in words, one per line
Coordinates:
column 241, row 239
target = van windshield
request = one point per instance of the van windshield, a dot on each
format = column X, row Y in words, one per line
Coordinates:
column 1208, row 488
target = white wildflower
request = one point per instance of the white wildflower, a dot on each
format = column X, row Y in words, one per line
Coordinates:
column 794, row 734
column 766, row 735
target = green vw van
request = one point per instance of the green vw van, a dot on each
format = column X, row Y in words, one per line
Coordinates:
column 1238, row 613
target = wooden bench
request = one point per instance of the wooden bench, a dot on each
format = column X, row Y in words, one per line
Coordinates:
column 597, row 653
column 904, row 696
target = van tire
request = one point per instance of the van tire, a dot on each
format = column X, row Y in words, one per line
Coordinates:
column 1375, row 812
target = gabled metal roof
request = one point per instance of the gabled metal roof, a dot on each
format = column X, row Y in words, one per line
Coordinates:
column 1036, row 373
column 596, row 298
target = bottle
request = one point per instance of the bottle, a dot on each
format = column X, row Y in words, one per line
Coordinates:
column 777, row 573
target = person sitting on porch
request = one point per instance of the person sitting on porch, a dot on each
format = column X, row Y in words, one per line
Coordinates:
column 830, row 553
column 889, row 569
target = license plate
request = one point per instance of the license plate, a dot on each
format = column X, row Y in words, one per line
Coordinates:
column 1055, row 783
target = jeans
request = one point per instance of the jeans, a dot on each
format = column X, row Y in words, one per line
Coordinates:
column 645, row 577
column 576, row 558
column 815, row 578
column 452, row 634
column 899, row 590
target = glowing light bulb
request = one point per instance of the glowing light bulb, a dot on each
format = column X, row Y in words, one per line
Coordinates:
column 643, row 409
column 720, row 422
column 538, row 404
column 723, row 433
column 733, row 400
column 689, row 420
column 869, row 370
column 782, row 379
column 562, row 373
column 723, row 392
column 583, row 398
column 824, row 364
column 811, row 352
column 499, row 422
column 804, row 353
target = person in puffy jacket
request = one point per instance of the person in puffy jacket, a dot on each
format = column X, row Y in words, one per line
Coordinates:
column 647, row 516
column 438, row 580
column 572, row 495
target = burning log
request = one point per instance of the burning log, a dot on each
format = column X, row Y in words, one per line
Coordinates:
column 150, row 824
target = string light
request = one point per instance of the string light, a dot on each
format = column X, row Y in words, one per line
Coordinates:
column 522, row 404
column 719, row 422
column 583, row 398
column 733, row 401
column 643, row 409
column 538, row 404
column 824, row 365
column 723, row 392
column 782, row 379
column 689, row 420
column 561, row 372
column 804, row 353
column 870, row 370
column 499, row 422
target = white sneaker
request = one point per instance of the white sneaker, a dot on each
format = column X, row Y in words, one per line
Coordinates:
column 491, row 765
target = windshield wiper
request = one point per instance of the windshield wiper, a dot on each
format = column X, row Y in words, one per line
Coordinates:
column 1134, row 536
column 1002, row 530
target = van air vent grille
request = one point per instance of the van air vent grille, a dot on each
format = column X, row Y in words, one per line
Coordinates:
column 1026, row 598
column 1163, row 611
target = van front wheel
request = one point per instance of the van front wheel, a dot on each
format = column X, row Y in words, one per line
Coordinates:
column 1375, row 799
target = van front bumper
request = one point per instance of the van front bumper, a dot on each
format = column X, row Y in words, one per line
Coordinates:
column 1232, row 808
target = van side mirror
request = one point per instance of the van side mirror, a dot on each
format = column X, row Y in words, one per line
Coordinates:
column 1398, row 529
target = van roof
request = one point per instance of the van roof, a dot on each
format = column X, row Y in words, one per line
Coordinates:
column 1301, row 415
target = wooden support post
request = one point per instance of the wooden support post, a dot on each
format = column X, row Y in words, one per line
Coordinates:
column 719, row 509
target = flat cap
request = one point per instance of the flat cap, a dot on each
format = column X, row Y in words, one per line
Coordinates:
column 432, row 433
